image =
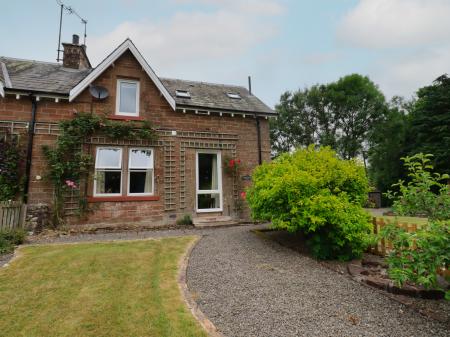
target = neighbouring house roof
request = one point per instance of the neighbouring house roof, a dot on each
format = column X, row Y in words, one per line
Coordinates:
column 53, row 78
column 40, row 76
column 215, row 96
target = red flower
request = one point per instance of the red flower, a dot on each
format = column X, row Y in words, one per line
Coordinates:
column 231, row 163
column 239, row 161
column 243, row 195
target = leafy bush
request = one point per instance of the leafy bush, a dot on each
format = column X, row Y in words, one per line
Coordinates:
column 417, row 257
column 10, row 157
column 315, row 192
column 185, row 220
column 424, row 194
column 11, row 238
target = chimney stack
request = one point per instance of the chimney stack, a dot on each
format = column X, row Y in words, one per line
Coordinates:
column 74, row 55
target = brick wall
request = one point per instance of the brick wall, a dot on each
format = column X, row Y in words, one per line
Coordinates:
column 242, row 143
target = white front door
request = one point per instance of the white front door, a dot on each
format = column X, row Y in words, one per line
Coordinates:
column 208, row 181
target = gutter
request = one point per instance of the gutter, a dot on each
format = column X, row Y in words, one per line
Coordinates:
column 31, row 126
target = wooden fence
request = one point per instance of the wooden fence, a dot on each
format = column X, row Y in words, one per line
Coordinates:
column 383, row 247
column 12, row 215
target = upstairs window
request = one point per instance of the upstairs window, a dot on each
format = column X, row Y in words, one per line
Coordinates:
column 127, row 100
column 233, row 95
column 183, row 94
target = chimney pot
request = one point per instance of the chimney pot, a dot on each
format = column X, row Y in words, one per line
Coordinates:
column 75, row 39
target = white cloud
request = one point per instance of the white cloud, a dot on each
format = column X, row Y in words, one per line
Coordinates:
column 255, row 7
column 396, row 23
column 404, row 75
column 189, row 38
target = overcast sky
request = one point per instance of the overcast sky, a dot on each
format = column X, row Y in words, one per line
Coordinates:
column 283, row 44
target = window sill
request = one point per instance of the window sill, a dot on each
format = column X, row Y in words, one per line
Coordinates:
column 123, row 198
column 126, row 118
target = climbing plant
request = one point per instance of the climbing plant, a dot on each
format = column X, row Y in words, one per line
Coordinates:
column 10, row 156
column 68, row 162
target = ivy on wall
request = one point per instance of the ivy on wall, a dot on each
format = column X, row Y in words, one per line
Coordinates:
column 68, row 162
column 10, row 156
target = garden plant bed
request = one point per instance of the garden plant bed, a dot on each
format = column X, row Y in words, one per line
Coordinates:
column 371, row 271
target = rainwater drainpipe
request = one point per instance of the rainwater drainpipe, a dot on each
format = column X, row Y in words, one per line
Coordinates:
column 258, row 125
column 29, row 149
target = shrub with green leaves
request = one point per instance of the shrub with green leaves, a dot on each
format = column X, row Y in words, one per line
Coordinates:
column 417, row 257
column 185, row 220
column 426, row 194
column 10, row 156
column 314, row 192
column 11, row 238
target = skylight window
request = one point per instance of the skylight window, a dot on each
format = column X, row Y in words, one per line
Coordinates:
column 233, row 95
column 183, row 94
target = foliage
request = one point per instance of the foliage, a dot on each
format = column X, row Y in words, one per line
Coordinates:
column 417, row 257
column 430, row 123
column 315, row 192
column 388, row 142
column 11, row 238
column 10, row 156
column 68, row 163
column 417, row 197
column 185, row 220
column 337, row 114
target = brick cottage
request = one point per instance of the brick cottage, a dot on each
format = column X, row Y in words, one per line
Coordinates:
column 199, row 127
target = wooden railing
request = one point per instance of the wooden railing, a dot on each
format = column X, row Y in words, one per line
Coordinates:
column 12, row 215
column 383, row 246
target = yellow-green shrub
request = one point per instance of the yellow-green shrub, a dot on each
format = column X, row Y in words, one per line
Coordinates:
column 318, row 194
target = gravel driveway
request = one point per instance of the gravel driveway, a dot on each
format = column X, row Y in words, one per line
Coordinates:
column 248, row 286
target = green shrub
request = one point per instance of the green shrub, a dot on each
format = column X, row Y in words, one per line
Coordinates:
column 417, row 257
column 10, row 156
column 424, row 194
column 318, row 194
column 11, row 238
column 185, row 220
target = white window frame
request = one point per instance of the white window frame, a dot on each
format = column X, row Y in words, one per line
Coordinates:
column 219, row 182
column 115, row 169
column 125, row 113
column 141, row 170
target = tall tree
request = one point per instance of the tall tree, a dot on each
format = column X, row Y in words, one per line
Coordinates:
column 388, row 142
column 339, row 114
column 430, row 123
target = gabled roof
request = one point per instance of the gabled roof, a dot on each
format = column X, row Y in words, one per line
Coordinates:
column 109, row 60
column 215, row 96
column 39, row 76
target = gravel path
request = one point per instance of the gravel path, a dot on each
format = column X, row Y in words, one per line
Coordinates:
column 248, row 286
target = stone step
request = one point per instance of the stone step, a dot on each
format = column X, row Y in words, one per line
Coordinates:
column 214, row 221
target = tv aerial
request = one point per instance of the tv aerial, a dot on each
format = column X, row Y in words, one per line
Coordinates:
column 98, row 92
column 69, row 10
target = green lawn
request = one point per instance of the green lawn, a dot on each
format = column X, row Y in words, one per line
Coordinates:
column 96, row 289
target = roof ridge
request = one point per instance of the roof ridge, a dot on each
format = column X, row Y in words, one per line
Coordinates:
column 203, row 82
column 28, row 60
column 6, row 77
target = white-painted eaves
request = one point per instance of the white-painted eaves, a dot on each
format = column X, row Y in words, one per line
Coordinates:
column 110, row 59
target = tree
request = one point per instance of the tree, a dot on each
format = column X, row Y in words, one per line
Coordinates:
column 338, row 114
column 388, row 142
column 430, row 123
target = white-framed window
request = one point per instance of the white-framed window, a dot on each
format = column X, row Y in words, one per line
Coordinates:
column 183, row 93
column 233, row 95
column 108, row 171
column 140, row 171
column 208, row 181
column 127, row 98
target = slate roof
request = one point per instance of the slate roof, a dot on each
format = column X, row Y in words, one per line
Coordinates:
column 47, row 77
column 41, row 76
column 214, row 96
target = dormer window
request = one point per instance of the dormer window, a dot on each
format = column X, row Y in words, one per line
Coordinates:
column 233, row 95
column 127, row 100
column 183, row 94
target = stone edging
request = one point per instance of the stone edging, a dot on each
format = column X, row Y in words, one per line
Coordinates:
column 206, row 324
